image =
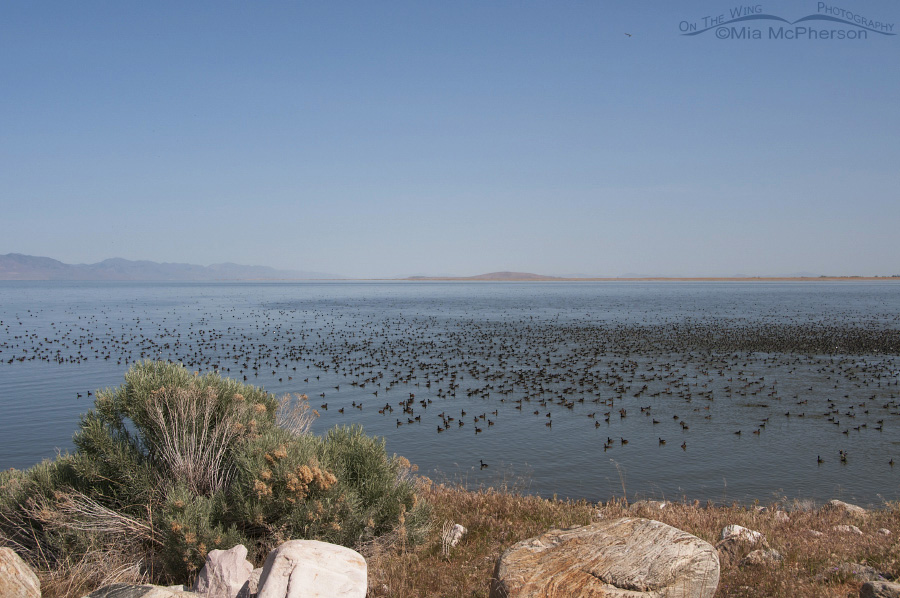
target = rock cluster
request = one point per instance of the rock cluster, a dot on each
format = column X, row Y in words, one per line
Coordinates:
column 296, row 569
column 737, row 543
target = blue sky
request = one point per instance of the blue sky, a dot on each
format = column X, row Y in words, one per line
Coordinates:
column 381, row 139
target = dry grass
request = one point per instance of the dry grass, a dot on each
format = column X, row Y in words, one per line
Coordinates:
column 295, row 414
column 190, row 438
column 497, row 519
column 115, row 554
column 73, row 510
column 91, row 571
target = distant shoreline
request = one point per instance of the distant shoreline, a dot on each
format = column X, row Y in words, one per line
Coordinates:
column 547, row 279
column 653, row 279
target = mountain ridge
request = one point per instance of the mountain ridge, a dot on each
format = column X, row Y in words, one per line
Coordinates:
column 18, row 266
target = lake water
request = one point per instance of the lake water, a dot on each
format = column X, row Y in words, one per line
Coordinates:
column 585, row 388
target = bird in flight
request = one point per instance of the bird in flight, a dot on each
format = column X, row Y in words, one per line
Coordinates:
column 628, row 34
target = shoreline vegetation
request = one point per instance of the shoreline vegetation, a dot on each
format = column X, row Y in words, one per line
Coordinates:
column 820, row 559
column 145, row 497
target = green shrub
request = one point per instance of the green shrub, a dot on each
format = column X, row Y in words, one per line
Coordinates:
column 171, row 465
column 379, row 486
column 190, row 526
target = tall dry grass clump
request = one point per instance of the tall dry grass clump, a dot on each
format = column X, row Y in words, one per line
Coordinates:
column 172, row 465
column 188, row 436
column 295, row 414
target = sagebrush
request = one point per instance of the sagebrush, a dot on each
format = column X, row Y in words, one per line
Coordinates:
column 172, row 465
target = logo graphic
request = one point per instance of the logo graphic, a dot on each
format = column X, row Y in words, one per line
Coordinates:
column 827, row 23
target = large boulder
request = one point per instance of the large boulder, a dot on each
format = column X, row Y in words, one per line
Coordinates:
column 125, row 590
column 225, row 573
column 629, row 557
column 17, row 580
column 310, row 569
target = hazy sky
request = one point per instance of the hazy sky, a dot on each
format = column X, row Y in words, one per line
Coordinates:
column 379, row 139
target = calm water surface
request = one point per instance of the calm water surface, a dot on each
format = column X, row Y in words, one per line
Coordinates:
column 579, row 383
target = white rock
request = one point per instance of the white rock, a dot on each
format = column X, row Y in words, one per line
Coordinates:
column 17, row 580
column 781, row 517
column 252, row 586
column 312, row 569
column 848, row 529
column 884, row 532
column 224, row 574
column 125, row 590
column 455, row 535
column 814, row 533
column 742, row 533
column 846, row 507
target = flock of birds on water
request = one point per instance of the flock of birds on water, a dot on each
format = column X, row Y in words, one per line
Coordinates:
column 415, row 370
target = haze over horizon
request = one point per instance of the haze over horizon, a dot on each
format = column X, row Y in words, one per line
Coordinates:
column 19, row 267
column 401, row 139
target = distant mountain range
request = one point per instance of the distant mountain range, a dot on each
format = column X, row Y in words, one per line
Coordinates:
column 490, row 276
column 15, row 266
